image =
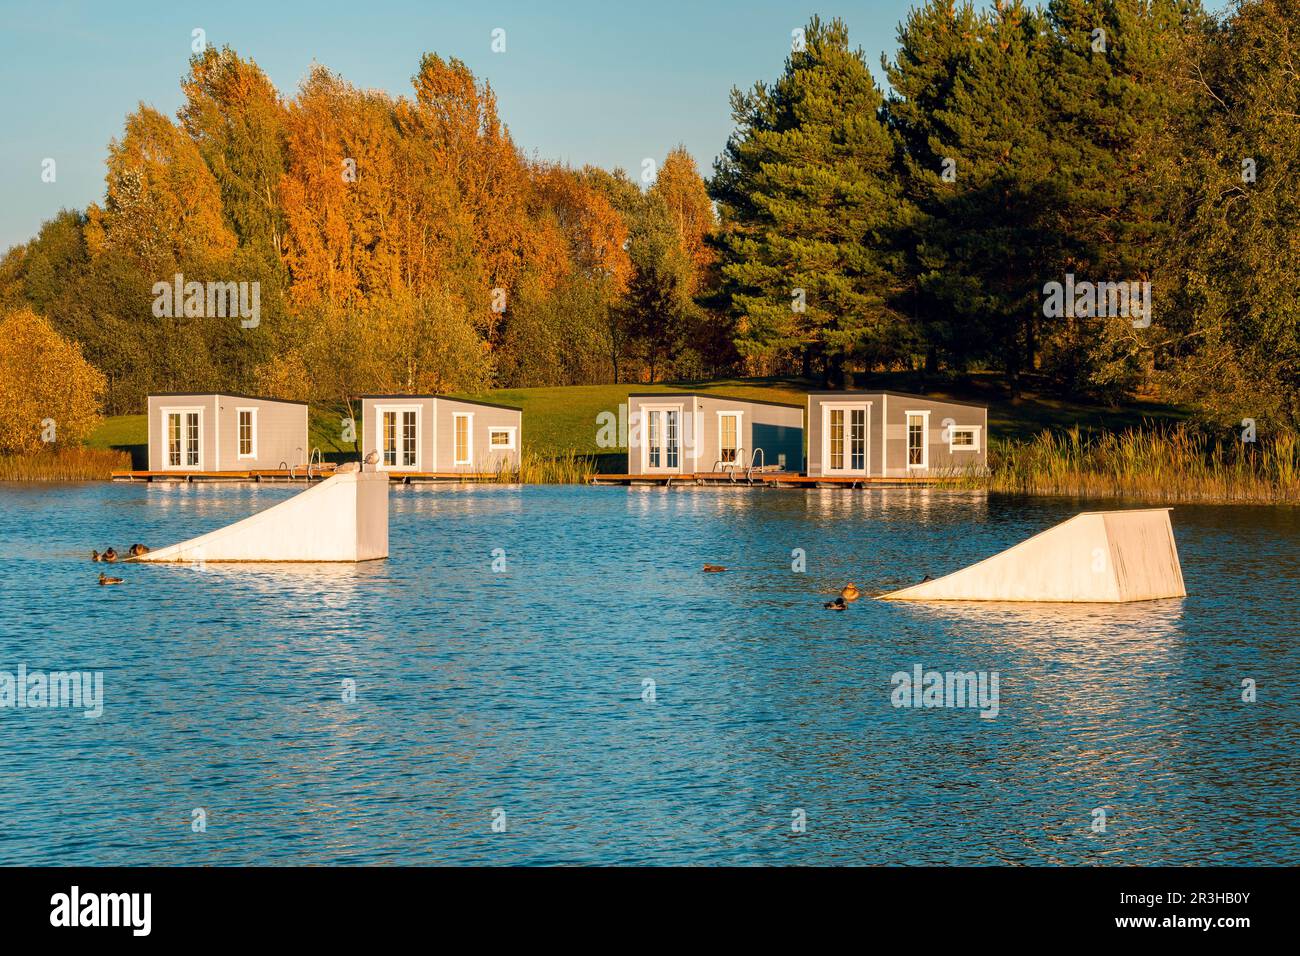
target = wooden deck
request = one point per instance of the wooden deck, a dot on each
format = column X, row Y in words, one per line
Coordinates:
column 765, row 479
column 769, row 480
column 273, row 474
column 297, row 474
column 413, row 477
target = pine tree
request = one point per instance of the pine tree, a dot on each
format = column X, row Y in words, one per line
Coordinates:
column 1121, row 112
column 936, row 43
column 989, row 242
column 809, row 201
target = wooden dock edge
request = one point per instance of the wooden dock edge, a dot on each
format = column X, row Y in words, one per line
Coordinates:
column 771, row 480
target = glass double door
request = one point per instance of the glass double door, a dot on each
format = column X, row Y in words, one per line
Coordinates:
column 663, row 439
column 399, row 431
column 184, row 440
column 846, row 441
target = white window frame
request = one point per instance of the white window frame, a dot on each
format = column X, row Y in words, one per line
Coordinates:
column 645, row 439
column 379, row 436
column 509, row 430
column 469, row 438
column 739, row 416
column 975, row 436
column 167, row 411
column 252, row 431
column 924, row 415
column 865, row 408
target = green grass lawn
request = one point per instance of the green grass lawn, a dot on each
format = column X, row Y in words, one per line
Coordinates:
column 121, row 431
column 564, row 418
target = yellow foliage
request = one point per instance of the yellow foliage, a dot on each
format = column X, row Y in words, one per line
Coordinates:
column 47, row 388
column 285, row 376
column 163, row 203
column 682, row 189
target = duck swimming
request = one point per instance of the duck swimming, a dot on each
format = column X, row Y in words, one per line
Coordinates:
column 96, row 556
column 105, row 579
column 836, row 605
column 137, row 550
column 850, row 592
column 109, row 555
column 713, row 568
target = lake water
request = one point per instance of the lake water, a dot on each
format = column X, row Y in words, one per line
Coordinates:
column 523, row 693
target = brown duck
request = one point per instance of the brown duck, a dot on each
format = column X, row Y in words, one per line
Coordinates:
column 137, row 549
column 713, row 568
column 836, row 605
column 850, row 592
column 105, row 579
column 109, row 555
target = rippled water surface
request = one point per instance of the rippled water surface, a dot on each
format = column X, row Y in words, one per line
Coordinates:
column 523, row 690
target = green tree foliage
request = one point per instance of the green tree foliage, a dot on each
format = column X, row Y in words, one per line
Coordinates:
column 659, row 311
column 989, row 242
column 809, row 197
column 405, row 242
column 1234, row 323
column 935, row 45
column 1121, row 113
column 559, row 338
column 236, row 118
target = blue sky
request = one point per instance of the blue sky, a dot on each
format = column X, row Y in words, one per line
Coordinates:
column 582, row 82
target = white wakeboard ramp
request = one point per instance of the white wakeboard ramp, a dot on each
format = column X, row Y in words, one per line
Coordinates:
column 344, row 518
column 1096, row 556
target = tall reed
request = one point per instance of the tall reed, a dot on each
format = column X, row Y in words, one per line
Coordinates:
column 1155, row 463
column 64, row 464
column 567, row 468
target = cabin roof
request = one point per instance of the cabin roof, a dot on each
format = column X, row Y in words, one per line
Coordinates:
column 251, row 398
column 885, row 391
column 714, row 395
column 448, row 398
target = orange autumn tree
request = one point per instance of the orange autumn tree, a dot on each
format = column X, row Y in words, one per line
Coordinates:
column 562, row 327
column 479, row 177
column 593, row 231
column 163, row 205
column 384, row 197
column 340, row 147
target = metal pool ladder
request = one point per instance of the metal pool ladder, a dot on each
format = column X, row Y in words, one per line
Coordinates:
column 721, row 467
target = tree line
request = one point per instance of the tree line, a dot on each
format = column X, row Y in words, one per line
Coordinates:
column 1092, row 197
column 397, row 243
column 1108, row 146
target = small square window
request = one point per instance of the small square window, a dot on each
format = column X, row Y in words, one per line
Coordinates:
column 963, row 438
column 501, row 439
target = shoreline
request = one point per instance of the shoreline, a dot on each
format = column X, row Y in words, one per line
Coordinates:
column 988, row 486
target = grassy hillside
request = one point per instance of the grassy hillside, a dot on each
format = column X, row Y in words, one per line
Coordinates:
column 563, row 419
